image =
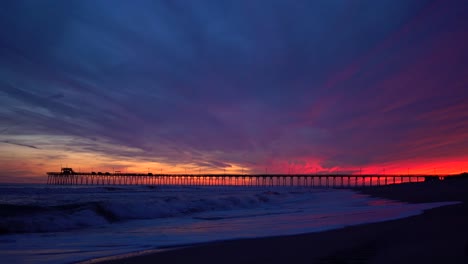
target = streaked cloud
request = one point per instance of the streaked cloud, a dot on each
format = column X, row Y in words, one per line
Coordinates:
column 314, row 85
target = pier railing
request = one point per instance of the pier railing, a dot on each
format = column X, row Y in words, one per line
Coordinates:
column 258, row 180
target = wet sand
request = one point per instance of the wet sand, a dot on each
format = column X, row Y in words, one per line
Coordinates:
column 438, row 235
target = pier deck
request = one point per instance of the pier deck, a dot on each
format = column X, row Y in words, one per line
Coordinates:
column 69, row 177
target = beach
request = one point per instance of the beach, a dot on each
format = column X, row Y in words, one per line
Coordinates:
column 438, row 235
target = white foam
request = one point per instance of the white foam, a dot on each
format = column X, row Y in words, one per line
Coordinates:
column 89, row 207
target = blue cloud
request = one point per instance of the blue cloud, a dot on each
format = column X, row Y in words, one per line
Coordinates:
column 227, row 81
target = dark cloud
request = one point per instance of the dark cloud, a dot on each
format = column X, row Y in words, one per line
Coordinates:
column 19, row 144
column 216, row 83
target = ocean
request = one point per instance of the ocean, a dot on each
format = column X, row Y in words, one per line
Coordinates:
column 69, row 224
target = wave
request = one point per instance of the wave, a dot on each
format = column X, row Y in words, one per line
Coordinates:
column 40, row 218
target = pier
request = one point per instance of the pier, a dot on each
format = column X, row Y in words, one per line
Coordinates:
column 69, row 177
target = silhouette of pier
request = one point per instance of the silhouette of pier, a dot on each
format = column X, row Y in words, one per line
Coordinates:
column 69, row 177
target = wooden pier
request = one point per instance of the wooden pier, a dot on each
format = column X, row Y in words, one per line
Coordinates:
column 69, row 177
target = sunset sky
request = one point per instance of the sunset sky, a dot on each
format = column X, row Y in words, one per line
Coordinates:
column 300, row 86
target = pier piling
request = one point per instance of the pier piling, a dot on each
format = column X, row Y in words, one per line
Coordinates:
column 69, row 177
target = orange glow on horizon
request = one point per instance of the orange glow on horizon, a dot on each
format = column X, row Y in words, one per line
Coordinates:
column 30, row 165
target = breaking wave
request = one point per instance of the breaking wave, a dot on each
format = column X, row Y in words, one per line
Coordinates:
column 27, row 218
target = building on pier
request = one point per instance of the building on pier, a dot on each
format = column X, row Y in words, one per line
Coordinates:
column 68, row 171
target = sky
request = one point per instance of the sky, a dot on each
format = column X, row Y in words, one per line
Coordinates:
column 326, row 86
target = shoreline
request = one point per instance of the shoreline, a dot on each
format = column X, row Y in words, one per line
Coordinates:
column 438, row 235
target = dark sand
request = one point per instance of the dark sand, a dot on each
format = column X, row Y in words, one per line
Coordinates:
column 438, row 236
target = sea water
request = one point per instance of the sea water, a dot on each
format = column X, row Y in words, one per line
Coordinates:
column 57, row 224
